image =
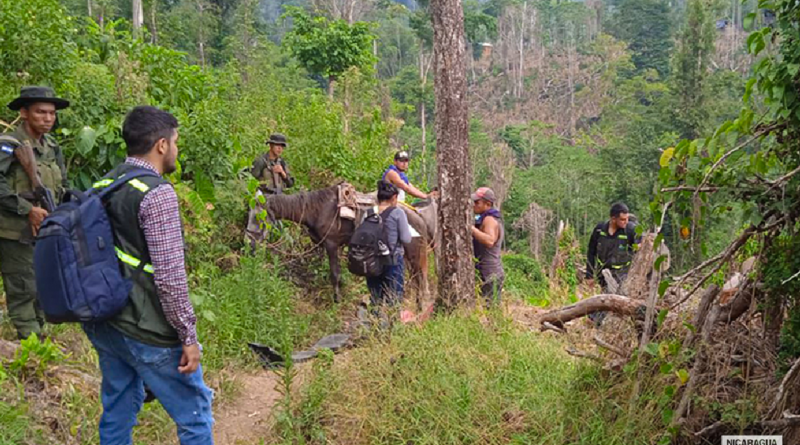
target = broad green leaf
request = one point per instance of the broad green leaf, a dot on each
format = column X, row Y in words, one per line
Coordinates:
column 662, row 315
column 666, row 156
column 748, row 91
column 683, row 375
column 86, row 140
column 666, row 368
column 659, row 261
column 652, row 349
column 662, row 287
column 747, row 23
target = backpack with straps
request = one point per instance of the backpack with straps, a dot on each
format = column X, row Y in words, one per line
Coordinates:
column 368, row 250
column 78, row 273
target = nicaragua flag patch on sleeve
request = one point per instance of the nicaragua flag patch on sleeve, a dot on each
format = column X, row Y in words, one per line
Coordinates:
column 5, row 148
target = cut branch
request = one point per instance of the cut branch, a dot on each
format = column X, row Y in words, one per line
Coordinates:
column 606, row 345
column 686, row 188
column 576, row 353
column 598, row 303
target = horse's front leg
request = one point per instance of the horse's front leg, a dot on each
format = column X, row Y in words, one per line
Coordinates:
column 332, row 249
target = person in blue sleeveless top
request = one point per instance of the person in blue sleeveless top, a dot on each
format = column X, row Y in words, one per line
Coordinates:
column 396, row 175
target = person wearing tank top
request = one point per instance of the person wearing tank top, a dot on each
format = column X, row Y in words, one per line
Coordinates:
column 395, row 174
column 487, row 239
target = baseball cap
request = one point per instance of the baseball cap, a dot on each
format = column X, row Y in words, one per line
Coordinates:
column 484, row 193
column 401, row 155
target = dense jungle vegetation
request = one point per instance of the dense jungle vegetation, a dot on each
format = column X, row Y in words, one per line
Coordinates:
column 574, row 105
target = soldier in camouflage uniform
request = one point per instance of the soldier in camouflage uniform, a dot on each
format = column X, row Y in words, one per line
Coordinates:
column 20, row 213
column 273, row 175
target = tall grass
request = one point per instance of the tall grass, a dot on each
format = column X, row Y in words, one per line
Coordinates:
column 463, row 380
column 252, row 304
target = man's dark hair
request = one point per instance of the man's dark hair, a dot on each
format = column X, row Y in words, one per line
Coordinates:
column 618, row 208
column 386, row 191
column 144, row 126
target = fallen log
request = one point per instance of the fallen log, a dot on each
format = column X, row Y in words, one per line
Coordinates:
column 598, row 303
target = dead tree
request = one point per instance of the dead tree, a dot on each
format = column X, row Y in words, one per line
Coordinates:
column 535, row 221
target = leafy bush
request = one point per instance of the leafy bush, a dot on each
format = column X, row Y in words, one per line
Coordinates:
column 251, row 304
column 35, row 354
column 525, row 279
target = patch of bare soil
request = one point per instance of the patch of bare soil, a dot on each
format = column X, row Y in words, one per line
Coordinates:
column 247, row 419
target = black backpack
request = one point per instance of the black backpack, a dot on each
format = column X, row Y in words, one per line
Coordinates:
column 369, row 251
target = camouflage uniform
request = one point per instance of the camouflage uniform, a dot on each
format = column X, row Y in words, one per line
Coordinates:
column 16, row 257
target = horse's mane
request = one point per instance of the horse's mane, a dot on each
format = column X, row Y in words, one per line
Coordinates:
column 297, row 206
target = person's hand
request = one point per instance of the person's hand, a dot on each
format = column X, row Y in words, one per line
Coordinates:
column 190, row 359
column 433, row 194
column 279, row 170
column 36, row 216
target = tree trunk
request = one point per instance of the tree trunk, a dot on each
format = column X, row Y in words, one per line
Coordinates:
column 89, row 7
column 138, row 18
column 456, row 277
column 423, row 77
column 154, row 27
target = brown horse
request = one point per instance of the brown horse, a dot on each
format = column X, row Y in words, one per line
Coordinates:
column 318, row 211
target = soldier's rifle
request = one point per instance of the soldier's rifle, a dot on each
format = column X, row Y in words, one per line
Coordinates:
column 40, row 195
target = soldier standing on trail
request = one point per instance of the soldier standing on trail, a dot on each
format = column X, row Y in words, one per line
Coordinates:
column 22, row 207
column 611, row 247
column 487, row 239
column 272, row 173
column 396, row 174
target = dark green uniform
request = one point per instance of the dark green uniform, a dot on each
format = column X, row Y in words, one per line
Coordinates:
column 270, row 182
column 16, row 258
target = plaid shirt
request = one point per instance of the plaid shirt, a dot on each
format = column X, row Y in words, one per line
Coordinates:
column 160, row 221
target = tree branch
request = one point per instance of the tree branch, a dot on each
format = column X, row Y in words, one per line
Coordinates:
column 598, row 303
column 719, row 162
column 686, row 188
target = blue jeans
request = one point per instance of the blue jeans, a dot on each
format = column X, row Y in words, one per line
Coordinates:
column 388, row 287
column 127, row 365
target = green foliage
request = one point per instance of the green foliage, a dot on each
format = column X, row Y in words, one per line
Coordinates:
column 253, row 303
column 40, row 54
column 35, row 354
column 647, row 27
column 302, row 420
column 15, row 425
column 738, row 161
column 328, row 47
column 525, row 280
column 690, row 72
column 458, row 380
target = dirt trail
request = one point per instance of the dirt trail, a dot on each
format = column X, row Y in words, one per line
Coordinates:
column 247, row 419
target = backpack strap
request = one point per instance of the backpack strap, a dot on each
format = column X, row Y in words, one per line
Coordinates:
column 105, row 186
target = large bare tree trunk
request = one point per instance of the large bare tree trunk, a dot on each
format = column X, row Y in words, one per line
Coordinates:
column 456, row 277
column 138, row 18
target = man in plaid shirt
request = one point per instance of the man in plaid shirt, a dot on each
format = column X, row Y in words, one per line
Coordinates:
column 153, row 341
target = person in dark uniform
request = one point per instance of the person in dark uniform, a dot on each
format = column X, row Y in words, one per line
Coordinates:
column 611, row 247
column 273, row 176
column 21, row 213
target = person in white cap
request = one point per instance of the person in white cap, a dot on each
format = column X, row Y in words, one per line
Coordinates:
column 396, row 174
